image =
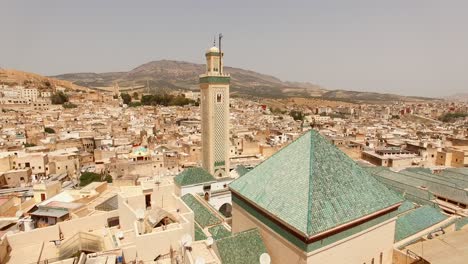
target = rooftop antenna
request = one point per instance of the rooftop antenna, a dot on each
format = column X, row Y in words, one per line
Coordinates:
column 220, row 54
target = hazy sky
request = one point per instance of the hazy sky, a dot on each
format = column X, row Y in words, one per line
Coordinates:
column 414, row 47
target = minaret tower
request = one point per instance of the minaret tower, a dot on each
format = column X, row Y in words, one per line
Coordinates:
column 214, row 88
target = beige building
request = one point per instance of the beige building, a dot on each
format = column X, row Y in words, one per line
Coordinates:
column 16, row 178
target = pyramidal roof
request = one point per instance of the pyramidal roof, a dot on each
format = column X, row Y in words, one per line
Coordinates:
column 193, row 175
column 313, row 186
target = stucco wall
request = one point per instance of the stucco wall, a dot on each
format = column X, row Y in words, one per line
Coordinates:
column 359, row 248
column 280, row 250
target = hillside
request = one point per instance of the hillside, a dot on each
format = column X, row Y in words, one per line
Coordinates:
column 15, row 77
column 178, row 75
column 460, row 97
column 368, row 97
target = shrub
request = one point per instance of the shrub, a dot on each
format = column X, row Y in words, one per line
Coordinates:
column 59, row 98
column 49, row 130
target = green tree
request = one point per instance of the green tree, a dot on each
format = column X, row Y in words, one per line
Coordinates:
column 297, row 115
column 49, row 130
column 59, row 98
column 126, row 98
column 135, row 96
column 108, row 178
column 89, row 177
column 69, row 105
column 452, row 117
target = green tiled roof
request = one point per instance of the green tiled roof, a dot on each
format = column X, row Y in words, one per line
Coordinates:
column 241, row 170
column 461, row 223
column 203, row 216
column 219, row 231
column 416, row 221
column 191, row 176
column 410, row 182
column 241, row 248
column 313, row 186
column 199, row 234
column 405, row 206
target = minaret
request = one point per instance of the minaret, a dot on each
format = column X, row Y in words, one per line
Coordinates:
column 214, row 87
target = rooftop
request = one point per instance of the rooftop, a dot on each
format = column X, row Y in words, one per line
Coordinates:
column 242, row 247
column 330, row 189
column 192, row 176
column 203, row 216
column 417, row 220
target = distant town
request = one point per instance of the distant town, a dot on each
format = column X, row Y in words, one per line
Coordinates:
column 124, row 175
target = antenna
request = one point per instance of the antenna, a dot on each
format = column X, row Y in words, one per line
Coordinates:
column 220, row 54
column 265, row 258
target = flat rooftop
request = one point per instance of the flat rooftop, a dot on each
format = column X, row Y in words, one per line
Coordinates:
column 451, row 248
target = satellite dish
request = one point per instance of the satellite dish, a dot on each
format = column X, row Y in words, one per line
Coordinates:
column 140, row 214
column 186, row 240
column 200, row 260
column 209, row 241
column 265, row 258
column 120, row 235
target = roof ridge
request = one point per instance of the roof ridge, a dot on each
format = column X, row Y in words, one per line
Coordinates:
column 309, row 193
column 277, row 152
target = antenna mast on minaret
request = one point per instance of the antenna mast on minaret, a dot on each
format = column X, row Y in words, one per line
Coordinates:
column 220, row 55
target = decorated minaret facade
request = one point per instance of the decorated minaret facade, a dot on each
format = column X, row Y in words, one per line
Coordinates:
column 214, row 88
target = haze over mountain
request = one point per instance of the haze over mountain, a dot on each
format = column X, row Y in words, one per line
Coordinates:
column 179, row 75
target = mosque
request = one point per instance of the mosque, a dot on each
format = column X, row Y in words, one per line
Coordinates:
column 310, row 201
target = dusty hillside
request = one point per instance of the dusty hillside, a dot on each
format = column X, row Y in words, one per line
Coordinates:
column 15, row 77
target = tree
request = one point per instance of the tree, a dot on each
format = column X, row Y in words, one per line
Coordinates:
column 89, row 177
column 126, row 98
column 108, row 178
column 297, row 115
column 49, row 130
column 135, row 95
column 69, row 105
column 59, row 98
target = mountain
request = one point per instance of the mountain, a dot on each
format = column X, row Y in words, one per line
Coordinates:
column 179, row 75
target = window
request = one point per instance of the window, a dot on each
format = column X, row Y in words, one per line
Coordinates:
column 372, row 262
column 381, row 258
column 219, row 98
